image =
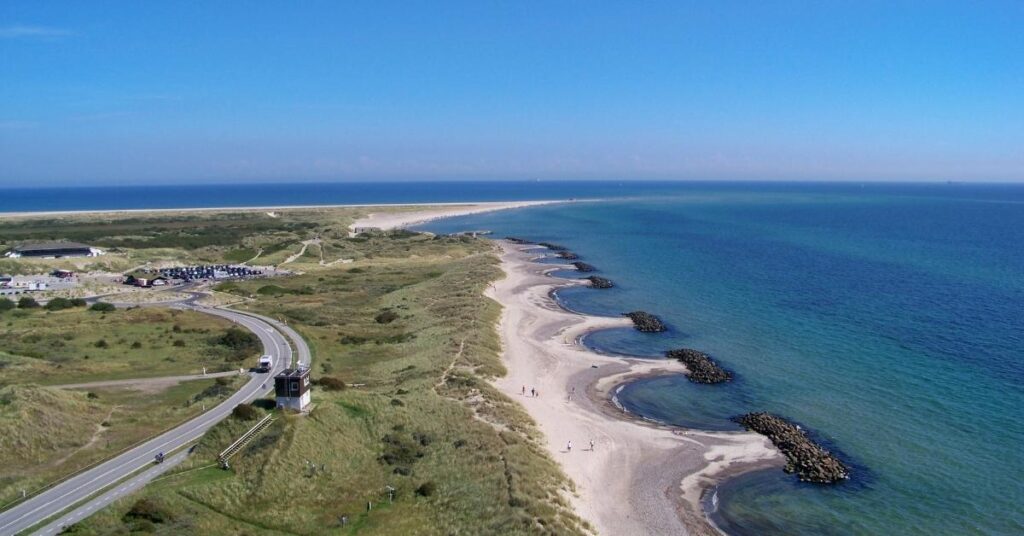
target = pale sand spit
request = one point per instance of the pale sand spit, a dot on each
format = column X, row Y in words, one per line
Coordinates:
column 271, row 211
column 423, row 213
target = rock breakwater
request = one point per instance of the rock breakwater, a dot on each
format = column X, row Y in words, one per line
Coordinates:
column 584, row 267
column 702, row 368
column 567, row 255
column 521, row 241
column 600, row 282
column 807, row 459
column 646, row 322
column 553, row 247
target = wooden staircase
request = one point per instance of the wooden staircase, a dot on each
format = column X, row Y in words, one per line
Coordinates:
column 244, row 440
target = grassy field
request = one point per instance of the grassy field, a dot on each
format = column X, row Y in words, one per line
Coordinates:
column 406, row 328
column 133, row 240
column 48, row 433
column 77, row 345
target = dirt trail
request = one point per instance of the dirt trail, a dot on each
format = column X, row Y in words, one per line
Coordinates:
column 92, row 440
column 147, row 384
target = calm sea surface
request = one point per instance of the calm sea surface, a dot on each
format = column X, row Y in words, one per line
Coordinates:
column 887, row 319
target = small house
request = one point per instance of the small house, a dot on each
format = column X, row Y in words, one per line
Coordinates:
column 291, row 388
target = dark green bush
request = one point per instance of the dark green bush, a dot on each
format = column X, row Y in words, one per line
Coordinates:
column 148, row 510
column 27, row 303
column 331, row 384
column 426, row 489
column 386, row 317
column 58, row 304
column 240, row 343
column 102, row 307
column 245, row 412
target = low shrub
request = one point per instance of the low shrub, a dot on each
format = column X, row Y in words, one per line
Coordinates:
column 330, row 383
column 245, row 412
column 240, row 343
column 426, row 489
column 148, row 510
column 102, row 307
column 58, row 304
column 386, row 317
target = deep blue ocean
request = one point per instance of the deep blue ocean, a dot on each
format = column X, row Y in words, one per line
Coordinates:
column 888, row 319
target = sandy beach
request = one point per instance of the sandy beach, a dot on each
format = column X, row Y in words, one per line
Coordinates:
column 427, row 211
column 640, row 477
column 420, row 215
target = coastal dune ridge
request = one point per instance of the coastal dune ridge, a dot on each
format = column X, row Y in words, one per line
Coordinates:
column 640, row 476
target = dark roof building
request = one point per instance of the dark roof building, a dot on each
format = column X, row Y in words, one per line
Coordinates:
column 53, row 250
column 291, row 387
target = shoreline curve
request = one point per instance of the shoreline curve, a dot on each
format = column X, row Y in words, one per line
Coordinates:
column 641, row 476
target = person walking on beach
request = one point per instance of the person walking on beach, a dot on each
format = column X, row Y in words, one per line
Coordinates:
column 568, row 448
column 524, row 391
column 591, row 445
column 533, row 392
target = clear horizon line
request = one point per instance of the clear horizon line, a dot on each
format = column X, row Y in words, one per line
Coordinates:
column 252, row 182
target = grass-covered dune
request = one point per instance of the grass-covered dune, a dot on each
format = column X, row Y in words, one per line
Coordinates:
column 48, row 433
column 79, row 345
column 407, row 343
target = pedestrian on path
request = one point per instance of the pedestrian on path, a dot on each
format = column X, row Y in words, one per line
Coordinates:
column 591, row 445
column 568, row 447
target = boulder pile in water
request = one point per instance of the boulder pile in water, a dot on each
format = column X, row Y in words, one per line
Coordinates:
column 553, row 247
column 568, row 255
column 600, row 282
column 584, row 267
column 807, row 459
column 521, row 241
column 702, row 368
column 646, row 322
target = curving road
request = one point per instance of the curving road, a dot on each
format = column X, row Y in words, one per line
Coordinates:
column 274, row 336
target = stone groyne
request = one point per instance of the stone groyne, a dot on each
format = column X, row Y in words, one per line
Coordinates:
column 646, row 322
column 807, row 459
column 702, row 368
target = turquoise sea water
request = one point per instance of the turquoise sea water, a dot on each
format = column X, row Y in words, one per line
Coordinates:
column 888, row 320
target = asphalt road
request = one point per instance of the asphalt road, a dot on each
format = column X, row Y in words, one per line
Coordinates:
column 58, row 498
column 132, row 485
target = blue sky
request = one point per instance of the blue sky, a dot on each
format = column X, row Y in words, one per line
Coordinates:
column 175, row 92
